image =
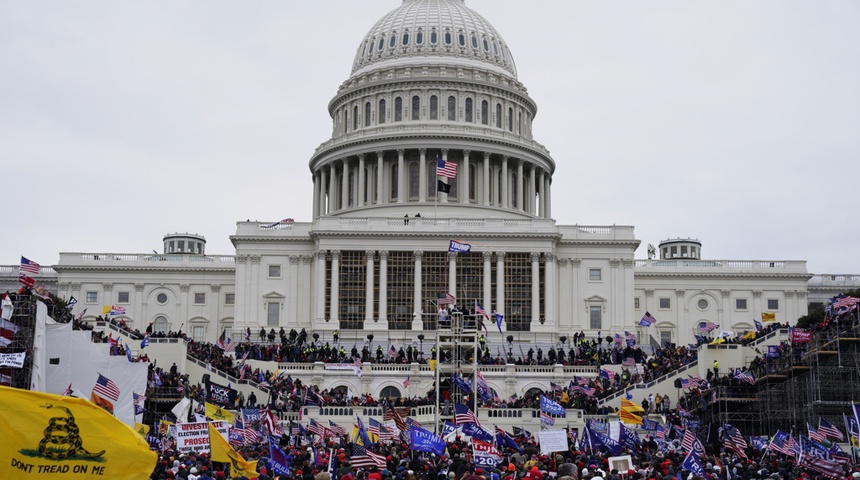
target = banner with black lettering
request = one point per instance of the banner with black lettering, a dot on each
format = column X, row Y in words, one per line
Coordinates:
column 12, row 360
column 220, row 395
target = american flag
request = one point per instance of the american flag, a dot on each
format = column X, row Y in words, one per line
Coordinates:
column 689, row 439
column 252, row 436
column 406, row 383
column 336, row 429
column 225, row 344
column 828, row 430
column 587, row 391
column 446, row 299
column 446, row 169
column 411, row 422
column 782, row 443
column 825, row 466
column 392, row 351
column 745, row 377
column 628, row 362
column 815, row 434
column 661, row 432
column 29, row 266
column 479, row 310
column 735, row 441
column 138, row 401
column 318, row 429
column 106, row 388
column 68, row 391
column 361, row 457
column 582, row 381
column 631, row 338
column 386, row 433
column 373, row 426
column 463, row 415
column 392, row 413
column 707, row 326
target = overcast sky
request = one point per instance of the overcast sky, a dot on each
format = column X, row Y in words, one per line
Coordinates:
column 734, row 122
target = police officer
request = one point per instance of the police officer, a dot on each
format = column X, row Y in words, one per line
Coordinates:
column 716, row 368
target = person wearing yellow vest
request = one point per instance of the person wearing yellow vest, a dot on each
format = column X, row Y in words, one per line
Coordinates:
column 716, row 369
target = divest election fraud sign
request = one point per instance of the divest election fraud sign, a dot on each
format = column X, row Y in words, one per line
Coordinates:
column 194, row 437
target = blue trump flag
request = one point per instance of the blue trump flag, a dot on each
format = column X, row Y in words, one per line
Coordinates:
column 423, row 440
column 505, row 440
column 772, row 351
column 630, row 439
column 499, row 318
column 693, row 465
column 461, row 384
column 550, row 406
column 279, row 461
column 598, row 441
column 477, row 432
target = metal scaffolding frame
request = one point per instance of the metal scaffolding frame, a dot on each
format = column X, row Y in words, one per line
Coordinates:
column 457, row 352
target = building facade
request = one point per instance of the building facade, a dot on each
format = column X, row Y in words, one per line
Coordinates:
column 433, row 86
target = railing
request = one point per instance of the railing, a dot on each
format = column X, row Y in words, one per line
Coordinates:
column 790, row 266
column 12, row 270
column 778, row 331
column 170, row 258
column 651, row 384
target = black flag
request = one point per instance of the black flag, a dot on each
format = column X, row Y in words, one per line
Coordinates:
column 442, row 186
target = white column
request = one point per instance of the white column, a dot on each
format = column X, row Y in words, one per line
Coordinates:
column 293, row 294
column 487, row 279
column 486, row 193
column 505, row 201
column 549, row 288
column 520, row 194
column 500, row 282
column 452, row 273
column 443, row 197
column 383, row 289
column 323, row 193
column 416, row 302
column 422, row 176
column 344, row 186
column 359, row 202
column 335, row 287
column 463, row 192
column 332, row 188
column 368, row 290
column 316, row 205
column 535, row 258
column 549, row 196
column 542, row 193
column 530, row 192
column 401, row 177
column 380, row 186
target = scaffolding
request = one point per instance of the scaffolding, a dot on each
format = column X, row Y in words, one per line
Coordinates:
column 805, row 383
column 457, row 352
column 24, row 317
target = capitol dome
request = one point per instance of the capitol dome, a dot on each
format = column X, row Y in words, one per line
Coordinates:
column 427, row 30
column 432, row 82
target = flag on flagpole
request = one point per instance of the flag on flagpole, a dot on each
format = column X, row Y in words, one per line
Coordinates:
column 28, row 266
column 443, row 169
column 647, row 320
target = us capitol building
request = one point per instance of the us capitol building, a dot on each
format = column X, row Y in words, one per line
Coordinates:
column 431, row 80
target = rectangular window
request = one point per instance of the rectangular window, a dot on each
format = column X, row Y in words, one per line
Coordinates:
column 740, row 304
column 122, row 297
column 197, row 333
column 665, row 303
column 772, row 304
column 665, row 338
column 199, row 298
column 92, row 297
column 596, row 317
column 274, row 271
column 229, row 299
column 594, row 275
column 181, row 245
column 636, row 303
column 274, row 313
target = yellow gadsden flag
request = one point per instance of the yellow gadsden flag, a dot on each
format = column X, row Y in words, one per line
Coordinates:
column 223, row 452
column 52, row 436
column 217, row 413
column 768, row 316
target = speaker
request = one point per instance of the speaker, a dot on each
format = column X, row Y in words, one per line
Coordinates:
column 677, row 383
column 206, row 379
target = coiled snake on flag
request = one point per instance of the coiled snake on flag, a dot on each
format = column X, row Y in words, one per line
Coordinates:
column 62, row 438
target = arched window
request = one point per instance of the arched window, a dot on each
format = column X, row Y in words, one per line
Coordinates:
column 393, row 181
column 510, row 119
column 398, row 109
column 431, row 174
column 355, row 117
column 414, row 186
column 485, row 111
column 448, row 37
column 389, row 392
column 452, row 108
column 345, row 120
column 416, row 107
column 496, row 48
column 434, row 37
column 519, row 122
column 381, row 43
column 405, row 40
column 498, row 115
column 381, row 111
column 461, row 39
column 367, row 114
column 468, row 110
column 486, row 45
column 474, row 42
column 419, row 37
column 393, row 40
column 434, row 107
column 370, row 46
column 160, row 324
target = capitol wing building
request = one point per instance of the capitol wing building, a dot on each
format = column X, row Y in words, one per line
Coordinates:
column 432, row 142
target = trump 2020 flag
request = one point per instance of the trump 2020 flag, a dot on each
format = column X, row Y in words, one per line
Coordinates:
column 458, row 247
column 51, row 436
column 550, row 406
column 422, row 440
